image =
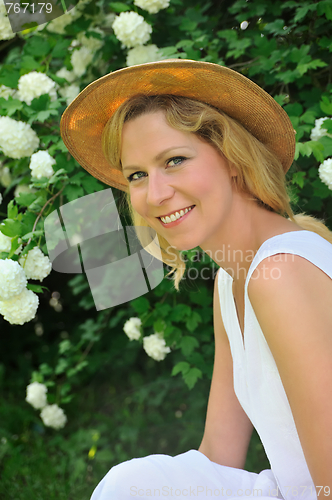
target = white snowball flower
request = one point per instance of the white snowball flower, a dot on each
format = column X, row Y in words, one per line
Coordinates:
column 36, row 265
column 53, row 416
column 23, row 188
column 155, row 346
column 70, row 92
column 325, row 172
column 5, row 176
column 317, row 132
column 12, row 279
column 5, row 92
column 36, row 395
column 108, row 20
column 65, row 73
column 132, row 328
column 91, row 42
column 17, row 139
column 6, row 32
column 80, row 60
column 35, row 84
column 131, row 29
column 21, row 308
column 41, row 165
column 152, row 6
column 5, row 243
column 143, row 54
column 58, row 24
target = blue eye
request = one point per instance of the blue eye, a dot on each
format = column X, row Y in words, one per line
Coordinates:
column 132, row 178
column 177, row 160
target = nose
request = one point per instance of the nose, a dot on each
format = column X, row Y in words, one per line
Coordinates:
column 159, row 188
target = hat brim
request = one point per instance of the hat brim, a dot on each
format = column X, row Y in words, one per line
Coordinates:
column 83, row 121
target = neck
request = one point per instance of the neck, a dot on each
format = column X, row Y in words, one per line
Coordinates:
column 245, row 230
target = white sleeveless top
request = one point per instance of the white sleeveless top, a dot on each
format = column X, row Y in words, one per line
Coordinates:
column 257, row 382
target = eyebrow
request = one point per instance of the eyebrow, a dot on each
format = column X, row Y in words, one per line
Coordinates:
column 156, row 158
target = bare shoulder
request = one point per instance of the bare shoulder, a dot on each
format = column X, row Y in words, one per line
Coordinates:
column 292, row 298
column 287, row 273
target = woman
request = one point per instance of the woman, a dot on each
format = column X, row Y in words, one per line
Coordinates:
column 202, row 152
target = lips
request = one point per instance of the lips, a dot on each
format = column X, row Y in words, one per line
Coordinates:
column 167, row 221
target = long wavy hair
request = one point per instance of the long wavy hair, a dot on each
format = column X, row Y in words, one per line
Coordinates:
column 259, row 172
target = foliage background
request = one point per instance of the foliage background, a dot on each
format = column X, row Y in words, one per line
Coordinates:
column 120, row 403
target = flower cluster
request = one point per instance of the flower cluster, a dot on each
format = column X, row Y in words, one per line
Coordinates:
column 132, row 328
column 5, row 92
column 35, row 84
column 6, row 32
column 152, row 6
column 92, row 43
column 318, row 131
column 18, row 305
column 59, row 24
column 17, row 139
column 36, row 395
column 41, row 165
column 69, row 92
column 131, row 29
column 51, row 415
column 325, row 172
column 36, row 265
column 65, row 73
column 155, row 346
column 12, row 279
column 80, row 60
column 21, row 308
column 143, row 54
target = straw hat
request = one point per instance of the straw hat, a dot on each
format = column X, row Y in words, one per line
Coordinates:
column 84, row 120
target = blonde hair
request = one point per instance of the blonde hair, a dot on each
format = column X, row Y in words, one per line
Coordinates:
column 259, row 172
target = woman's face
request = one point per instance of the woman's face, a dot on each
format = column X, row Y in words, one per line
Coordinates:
column 170, row 172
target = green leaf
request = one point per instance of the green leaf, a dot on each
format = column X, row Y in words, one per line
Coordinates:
column 36, row 288
column 159, row 325
column 294, row 109
column 192, row 376
column 61, row 48
column 188, row 344
column 9, row 76
column 25, row 199
column 73, row 192
column 12, row 210
column 301, row 12
column 119, row 7
column 29, row 63
column 327, row 143
column 140, row 305
column 64, row 346
column 61, row 366
column 11, row 228
column 298, row 178
column 37, row 46
column 181, row 367
column 10, row 106
column 193, row 321
column 34, row 234
column 326, row 105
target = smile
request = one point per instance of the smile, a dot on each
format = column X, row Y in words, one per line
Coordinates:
column 176, row 215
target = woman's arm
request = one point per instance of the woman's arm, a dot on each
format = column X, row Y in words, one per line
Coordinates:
column 292, row 301
column 227, row 427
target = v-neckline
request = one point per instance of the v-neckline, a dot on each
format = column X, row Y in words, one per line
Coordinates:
column 236, row 315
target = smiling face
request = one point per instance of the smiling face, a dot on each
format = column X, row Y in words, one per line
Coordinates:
column 178, row 183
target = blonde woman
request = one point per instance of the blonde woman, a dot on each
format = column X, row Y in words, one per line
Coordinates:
column 202, row 153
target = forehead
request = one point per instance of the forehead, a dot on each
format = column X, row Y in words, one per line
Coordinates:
column 149, row 133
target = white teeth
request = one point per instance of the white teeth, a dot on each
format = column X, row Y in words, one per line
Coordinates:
column 176, row 216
